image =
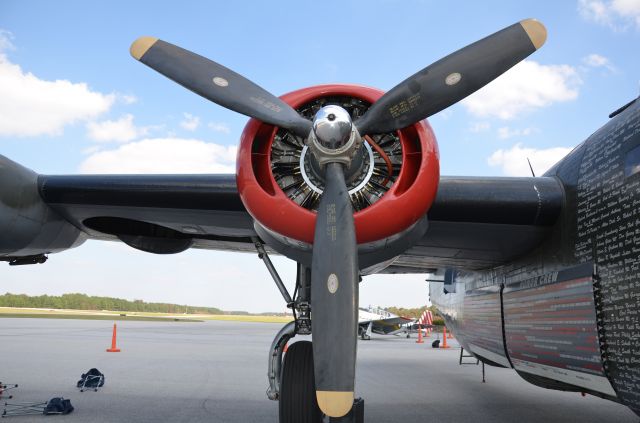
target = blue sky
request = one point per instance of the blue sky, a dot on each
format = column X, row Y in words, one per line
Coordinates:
column 73, row 100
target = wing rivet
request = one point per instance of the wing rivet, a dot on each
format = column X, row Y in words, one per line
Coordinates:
column 332, row 283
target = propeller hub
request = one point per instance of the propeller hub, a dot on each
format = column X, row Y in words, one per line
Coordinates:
column 333, row 138
column 332, row 127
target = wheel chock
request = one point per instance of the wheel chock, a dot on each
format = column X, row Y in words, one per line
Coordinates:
column 356, row 415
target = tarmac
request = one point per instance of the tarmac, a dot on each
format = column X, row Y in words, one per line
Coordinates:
column 216, row 372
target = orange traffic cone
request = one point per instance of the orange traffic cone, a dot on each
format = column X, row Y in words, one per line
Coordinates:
column 419, row 341
column 286, row 347
column 113, row 341
column 444, row 337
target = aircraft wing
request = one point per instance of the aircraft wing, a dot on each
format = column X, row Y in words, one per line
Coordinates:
column 474, row 222
column 204, row 209
column 386, row 326
column 479, row 222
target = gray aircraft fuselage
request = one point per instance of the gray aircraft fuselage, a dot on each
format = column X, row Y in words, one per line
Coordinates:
column 567, row 316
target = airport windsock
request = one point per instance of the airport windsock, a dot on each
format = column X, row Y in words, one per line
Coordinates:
column 113, row 341
column 423, row 318
column 426, row 319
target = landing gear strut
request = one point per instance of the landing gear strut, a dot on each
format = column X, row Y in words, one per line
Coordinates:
column 365, row 334
column 291, row 374
column 300, row 326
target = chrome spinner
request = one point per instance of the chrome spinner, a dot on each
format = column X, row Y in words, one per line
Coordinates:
column 334, row 138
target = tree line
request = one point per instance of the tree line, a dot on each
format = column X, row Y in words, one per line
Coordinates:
column 85, row 302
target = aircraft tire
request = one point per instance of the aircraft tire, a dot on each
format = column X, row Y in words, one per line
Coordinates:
column 298, row 403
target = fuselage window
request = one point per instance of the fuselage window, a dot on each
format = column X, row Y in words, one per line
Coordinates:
column 632, row 162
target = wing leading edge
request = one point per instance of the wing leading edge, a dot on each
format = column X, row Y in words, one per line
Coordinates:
column 201, row 211
column 474, row 222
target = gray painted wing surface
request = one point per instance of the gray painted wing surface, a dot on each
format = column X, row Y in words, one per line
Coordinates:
column 474, row 222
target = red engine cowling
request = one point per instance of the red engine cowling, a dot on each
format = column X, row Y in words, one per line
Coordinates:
column 403, row 204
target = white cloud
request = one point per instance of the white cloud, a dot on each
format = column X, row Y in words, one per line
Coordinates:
column 92, row 149
column 190, row 122
column 618, row 15
column 219, row 127
column 163, row 155
column 479, row 127
column 594, row 10
column 31, row 106
column 121, row 130
column 597, row 61
column 5, row 40
column 128, row 98
column 627, row 8
column 506, row 132
column 514, row 161
column 527, row 86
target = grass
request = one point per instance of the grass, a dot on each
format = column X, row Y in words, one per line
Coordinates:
column 14, row 312
column 93, row 317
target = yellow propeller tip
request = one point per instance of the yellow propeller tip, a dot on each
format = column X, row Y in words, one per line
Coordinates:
column 141, row 45
column 536, row 31
column 335, row 403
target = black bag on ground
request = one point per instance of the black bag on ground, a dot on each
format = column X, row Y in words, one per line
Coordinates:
column 58, row 405
column 92, row 379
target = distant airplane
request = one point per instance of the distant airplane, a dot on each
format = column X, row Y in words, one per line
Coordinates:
column 538, row 274
column 383, row 322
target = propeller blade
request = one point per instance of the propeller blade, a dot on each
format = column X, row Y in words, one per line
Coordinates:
column 334, row 296
column 452, row 78
column 218, row 84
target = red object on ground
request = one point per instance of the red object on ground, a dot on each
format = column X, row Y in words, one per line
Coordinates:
column 286, row 347
column 113, row 341
column 444, row 337
column 419, row 341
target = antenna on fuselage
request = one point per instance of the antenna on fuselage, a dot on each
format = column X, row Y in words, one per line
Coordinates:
column 531, row 167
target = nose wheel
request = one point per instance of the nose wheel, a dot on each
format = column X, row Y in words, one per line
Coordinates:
column 298, row 403
column 291, row 374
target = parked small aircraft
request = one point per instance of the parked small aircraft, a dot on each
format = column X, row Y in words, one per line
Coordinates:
column 383, row 322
